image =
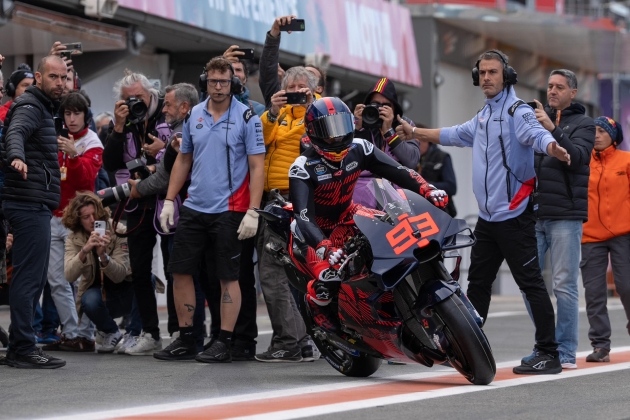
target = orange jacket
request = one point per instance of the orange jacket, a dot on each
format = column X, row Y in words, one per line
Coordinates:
column 608, row 196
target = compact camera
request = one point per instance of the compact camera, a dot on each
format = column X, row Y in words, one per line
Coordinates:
column 137, row 110
column 371, row 117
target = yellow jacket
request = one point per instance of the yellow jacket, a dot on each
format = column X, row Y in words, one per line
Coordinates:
column 282, row 141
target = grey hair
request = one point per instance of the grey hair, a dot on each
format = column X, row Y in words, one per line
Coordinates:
column 131, row 79
column 184, row 92
column 299, row 72
column 569, row 75
column 103, row 115
column 495, row 55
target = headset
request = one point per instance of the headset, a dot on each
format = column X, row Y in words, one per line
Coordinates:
column 510, row 77
column 236, row 87
column 87, row 116
column 10, row 87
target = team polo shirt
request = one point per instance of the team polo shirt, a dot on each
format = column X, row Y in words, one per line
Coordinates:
column 208, row 141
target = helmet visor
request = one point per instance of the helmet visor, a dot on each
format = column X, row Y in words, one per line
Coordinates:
column 332, row 126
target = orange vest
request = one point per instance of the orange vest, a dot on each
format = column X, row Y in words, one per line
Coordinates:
column 608, row 195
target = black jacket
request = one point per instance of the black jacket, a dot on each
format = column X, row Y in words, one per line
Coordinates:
column 30, row 135
column 268, row 68
column 562, row 188
column 436, row 167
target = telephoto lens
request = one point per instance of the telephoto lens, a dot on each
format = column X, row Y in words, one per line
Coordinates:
column 137, row 110
column 371, row 117
column 113, row 195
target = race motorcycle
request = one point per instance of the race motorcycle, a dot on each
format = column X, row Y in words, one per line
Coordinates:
column 397, row 301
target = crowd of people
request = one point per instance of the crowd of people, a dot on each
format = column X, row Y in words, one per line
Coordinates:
column 85, row 200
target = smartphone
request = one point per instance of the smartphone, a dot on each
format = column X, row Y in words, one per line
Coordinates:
column 249, row 53
column 295, row 25
column 533, row 104
column 100, row 226
column 73, row 46
column 295, row 98
column 64, row 132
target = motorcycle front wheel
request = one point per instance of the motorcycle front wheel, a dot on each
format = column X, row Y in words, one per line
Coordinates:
column 469, row 351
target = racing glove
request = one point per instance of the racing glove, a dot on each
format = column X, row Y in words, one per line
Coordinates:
column 438, row 198
column 249, row 225
column 167, row 215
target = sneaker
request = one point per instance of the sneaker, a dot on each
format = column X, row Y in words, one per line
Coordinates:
column 36, row 359
column 567, row 362
column 177, row 350
column 599, row 355
column 49, row 338
column 98, row 337
column 145, row 345
column 541, row 364
column 307, row 353
column 242, row 354
column 109, row 343
column 78, row 345
column 217, row 353
column 126, row 342
column 279, row 356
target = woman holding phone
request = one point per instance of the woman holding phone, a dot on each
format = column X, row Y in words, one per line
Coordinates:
column 101, row 259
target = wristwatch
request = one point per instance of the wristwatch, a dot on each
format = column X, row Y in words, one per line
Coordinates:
column 389, row 134
column 106, row 259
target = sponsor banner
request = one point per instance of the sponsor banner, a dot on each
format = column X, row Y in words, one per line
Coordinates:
column 370, row 36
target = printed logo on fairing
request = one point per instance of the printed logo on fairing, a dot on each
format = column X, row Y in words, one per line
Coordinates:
column 350, row 166
column 401, row 237
column 320, row 170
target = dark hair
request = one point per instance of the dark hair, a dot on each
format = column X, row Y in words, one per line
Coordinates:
column 219, row 64
column 75, row 102
column 322, row 78
column 45, row 60
column 569, row 75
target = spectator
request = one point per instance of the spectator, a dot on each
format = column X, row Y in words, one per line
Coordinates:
column 102, row 264
column 270, row 71
column 102, row 121
column 226, row 186
column 30, row 193
column 502, row 185
column 133, row 137
column 607, row 233
column 80, row 158
column 15, row 85
column 242, row 72
column 283, row 127
column 562, row 202
column 436, row 167
column 382, row 134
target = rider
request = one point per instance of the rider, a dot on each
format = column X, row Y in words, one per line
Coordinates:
column 321, row 183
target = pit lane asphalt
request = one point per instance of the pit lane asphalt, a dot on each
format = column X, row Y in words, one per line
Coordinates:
column 93, row 382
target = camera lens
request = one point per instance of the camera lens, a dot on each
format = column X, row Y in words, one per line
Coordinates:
column 113, row 195
column 371, row 116
column 137, row 110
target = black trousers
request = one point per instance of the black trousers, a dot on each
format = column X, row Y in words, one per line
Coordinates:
column 141, row 240
column 513, row 240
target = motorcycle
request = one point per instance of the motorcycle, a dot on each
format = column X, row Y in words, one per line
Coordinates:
column 397, row 301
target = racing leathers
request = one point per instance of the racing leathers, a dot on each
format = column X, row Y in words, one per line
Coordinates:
column 321, row 193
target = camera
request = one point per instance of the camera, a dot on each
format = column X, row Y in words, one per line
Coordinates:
column 113, row 195
column 137, row 110
column 371, row 117
column 137, row 166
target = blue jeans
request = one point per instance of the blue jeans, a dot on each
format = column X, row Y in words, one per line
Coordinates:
column 46, row 317
column 118, row 304
column 562, row 239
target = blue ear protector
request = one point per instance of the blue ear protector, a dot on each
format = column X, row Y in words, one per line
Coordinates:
column 236, row 87
column 510, row 77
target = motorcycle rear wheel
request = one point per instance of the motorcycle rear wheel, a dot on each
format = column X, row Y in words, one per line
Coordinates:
column 469, row 351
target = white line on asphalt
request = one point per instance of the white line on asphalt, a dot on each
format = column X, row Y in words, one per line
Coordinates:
column 438, row 372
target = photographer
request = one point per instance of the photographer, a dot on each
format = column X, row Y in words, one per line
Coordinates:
column 376, row 121
column 139, row 131
column 80, row 154
column 102, row 264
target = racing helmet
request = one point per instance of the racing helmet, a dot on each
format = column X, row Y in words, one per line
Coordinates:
column 330, row 127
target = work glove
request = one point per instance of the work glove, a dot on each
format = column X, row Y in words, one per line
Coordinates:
column 167, row 216
column 439, row 198
column 249, row 225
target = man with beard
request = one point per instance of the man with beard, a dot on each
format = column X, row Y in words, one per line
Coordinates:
column 30, row 193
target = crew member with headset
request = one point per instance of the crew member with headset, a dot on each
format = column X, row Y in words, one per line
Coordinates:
column 222, row 143
column 504, row 135
column 16, row 85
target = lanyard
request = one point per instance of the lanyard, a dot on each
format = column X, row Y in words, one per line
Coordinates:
column 558, row 117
